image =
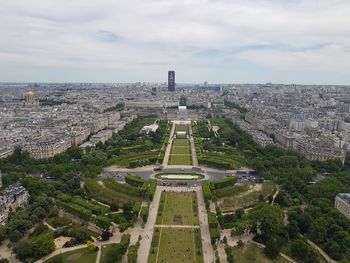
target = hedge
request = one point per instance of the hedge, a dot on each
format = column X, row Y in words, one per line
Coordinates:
column 229, row 254
column 96, row 209
column 212, row 220
column 109, row 196
column 103, row 222
column 132, row 253
column 230, row 191
column 134, row 180
column 76, row 210
column 206, row 191
column 123, row 188
column 213, row 227
column 144, row 213
column 214, row 234
column 151, row 189
column 229, row 181
column 124, row 242
column 215, row 163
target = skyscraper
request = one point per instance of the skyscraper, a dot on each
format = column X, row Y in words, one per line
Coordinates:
column 171, row 80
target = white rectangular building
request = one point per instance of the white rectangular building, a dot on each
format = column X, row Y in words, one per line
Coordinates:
column 342, row 204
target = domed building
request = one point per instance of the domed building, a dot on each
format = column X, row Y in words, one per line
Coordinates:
column 30, row 100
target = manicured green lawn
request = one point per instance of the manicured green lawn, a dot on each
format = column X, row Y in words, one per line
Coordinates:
column 105, row 250
column 250, row 199
column 176, row 245
column 180, row 160
column 252, row 253
column 178, row 204
column 180, row 150
column 180, row 153
column 181, row 127
column 183, row 143
column 77, row 256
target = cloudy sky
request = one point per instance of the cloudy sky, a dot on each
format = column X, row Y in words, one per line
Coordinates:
column 221, row 41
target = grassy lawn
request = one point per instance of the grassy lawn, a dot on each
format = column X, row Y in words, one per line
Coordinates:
column 234, row 202
column 105, row 250
column 76, row 256
column 178, row 204
column 176, row 245
column 252, row 253
column 180, row 153
column 180, row 150
column 182, row 143
column 181, row 127
column 180, row 160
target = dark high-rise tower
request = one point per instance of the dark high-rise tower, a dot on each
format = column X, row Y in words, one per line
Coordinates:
column 171, row 80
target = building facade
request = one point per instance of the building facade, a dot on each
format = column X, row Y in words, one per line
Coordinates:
column 342, row 204
column 171, row 80
column 12, row 197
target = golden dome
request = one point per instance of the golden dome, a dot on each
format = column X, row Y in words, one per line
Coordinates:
column 30, row 93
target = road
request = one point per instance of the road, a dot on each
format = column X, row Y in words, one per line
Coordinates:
column 147, row 233
column 193, row 148
column 168, row 148
column 146, row 172
column 203, row 221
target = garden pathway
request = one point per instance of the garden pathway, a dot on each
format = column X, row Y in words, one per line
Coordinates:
column 147, row 233
column 193, row 148
column 203, row 220
column 168, row 148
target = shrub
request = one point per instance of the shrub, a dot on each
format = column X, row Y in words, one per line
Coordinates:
column 229, row 181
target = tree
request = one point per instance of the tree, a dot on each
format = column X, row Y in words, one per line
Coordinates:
column 239, row 213
column 266, row 221
column 303, row 252
column 3, row 233
column 271, row 248
column 106, row 235
column 299, row 249
column 90, row 246
column 43, row 245
column 15, row 236
column 24, row 250
column 318, row 230
column 229, row 254
column 127, row 210
column 293, row 229
column 114, row 255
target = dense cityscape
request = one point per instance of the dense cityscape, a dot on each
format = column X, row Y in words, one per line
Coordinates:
column 175, row 131
column 85, row 167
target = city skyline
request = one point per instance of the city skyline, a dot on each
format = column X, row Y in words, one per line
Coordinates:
column 303, row 42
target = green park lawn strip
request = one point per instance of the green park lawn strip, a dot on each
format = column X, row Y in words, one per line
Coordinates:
column 105, row 250
column 181, row 142
column 180, row 160
column 251, row 253
column 245, row 200
column 183, row 204
column 181, row 127
column 76, row 256
column 181, row 150
column 176, row 245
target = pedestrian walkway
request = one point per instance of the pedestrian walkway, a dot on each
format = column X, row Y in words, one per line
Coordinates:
column 168, row 148
column 204, row 226
column 193, row 148
column 147, row 233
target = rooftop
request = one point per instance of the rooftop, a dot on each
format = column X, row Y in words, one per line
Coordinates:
column 344, row 196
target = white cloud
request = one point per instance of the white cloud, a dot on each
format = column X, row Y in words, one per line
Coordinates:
column 131, row 37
